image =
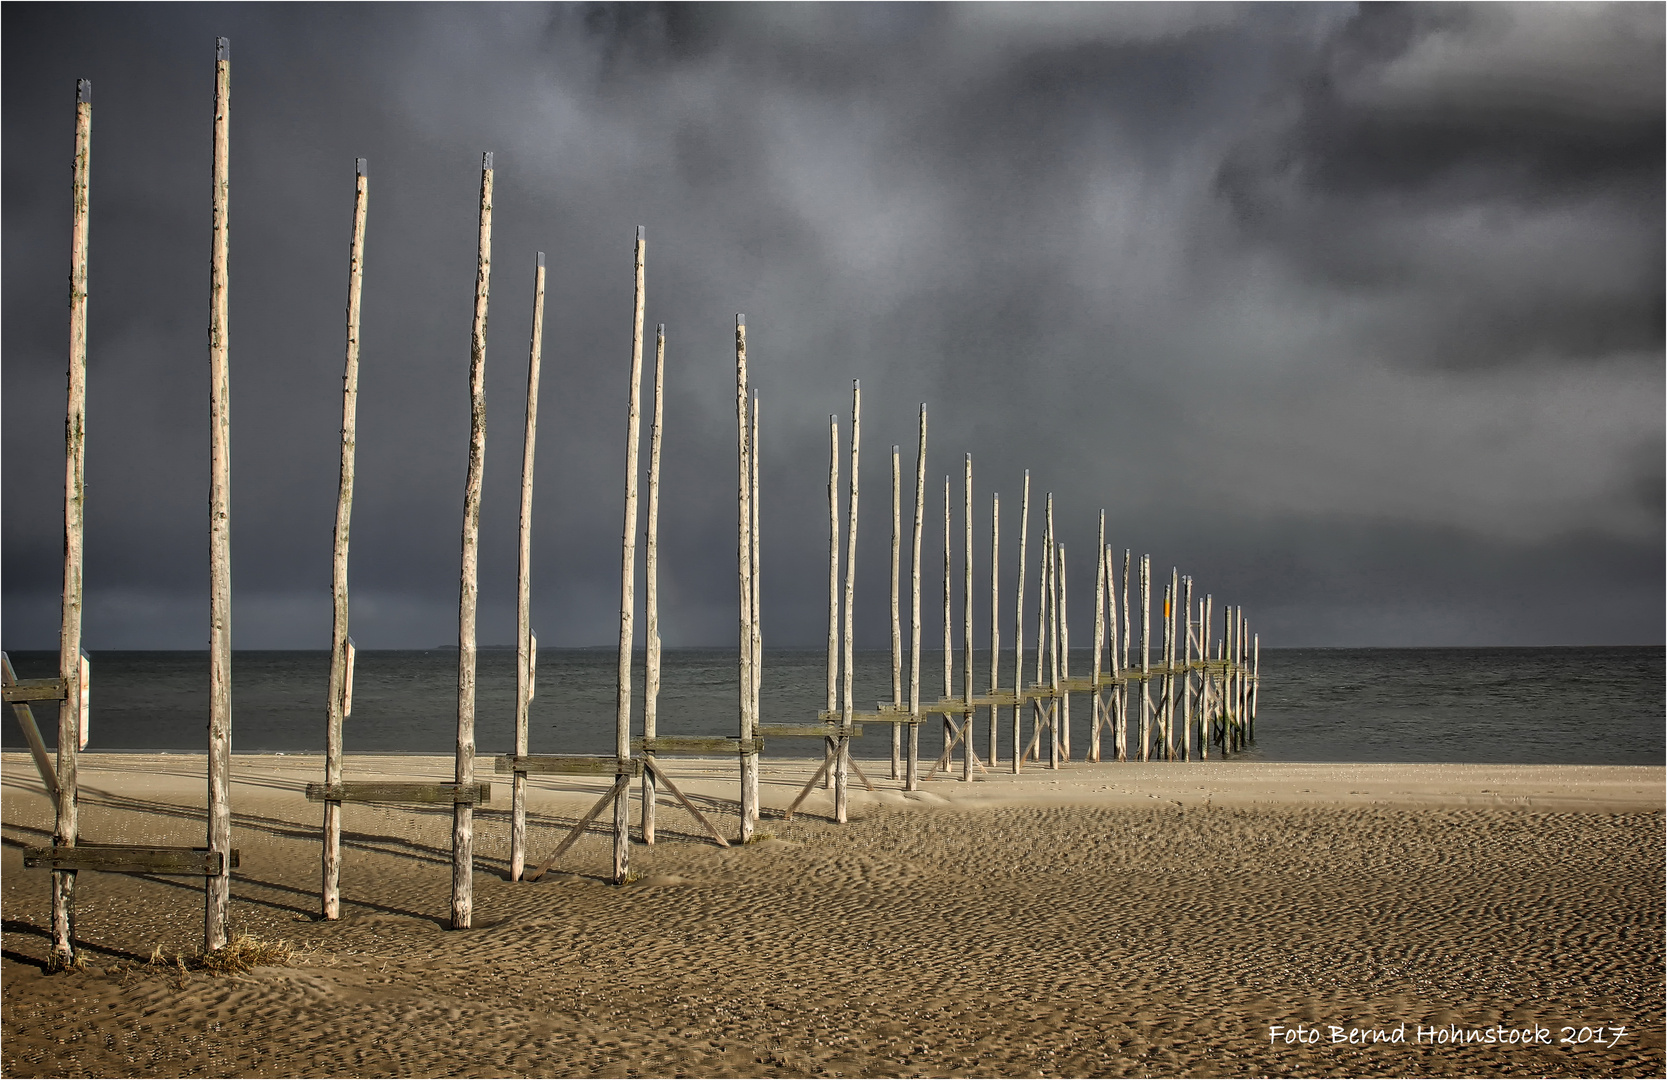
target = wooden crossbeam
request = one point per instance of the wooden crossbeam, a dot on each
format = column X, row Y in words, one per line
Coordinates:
column 660, row 774
column 697, row 744
column 130, row 859
column 809, row 731
column 578, row 830
column 886, row 716
column 376, row 791
column 35, row 690
column 568, row 764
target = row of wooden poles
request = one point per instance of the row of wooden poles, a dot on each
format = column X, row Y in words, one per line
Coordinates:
column 1193, row 695
column 1214, row 690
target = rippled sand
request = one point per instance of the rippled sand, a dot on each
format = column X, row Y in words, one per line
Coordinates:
column 1104, row 920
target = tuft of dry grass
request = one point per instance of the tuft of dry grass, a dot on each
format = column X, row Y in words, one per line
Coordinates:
column 243, row 952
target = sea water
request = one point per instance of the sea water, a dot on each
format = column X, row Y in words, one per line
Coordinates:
column 1501, row 705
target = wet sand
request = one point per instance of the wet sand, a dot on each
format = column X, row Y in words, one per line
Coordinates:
column 1104, row 920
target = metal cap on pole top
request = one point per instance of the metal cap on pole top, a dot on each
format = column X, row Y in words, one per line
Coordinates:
column 83, row 91
column 486, row 161
column 361, row 167
column 223, row 49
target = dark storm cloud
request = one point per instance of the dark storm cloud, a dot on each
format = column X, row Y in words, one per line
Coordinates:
column 1318, row 302
column 1500, row 167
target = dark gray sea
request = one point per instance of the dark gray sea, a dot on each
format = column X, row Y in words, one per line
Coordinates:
column 1547, row 706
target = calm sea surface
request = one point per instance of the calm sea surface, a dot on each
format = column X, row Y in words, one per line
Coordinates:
column 1550, row 706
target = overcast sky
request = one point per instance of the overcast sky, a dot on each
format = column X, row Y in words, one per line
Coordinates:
column 1355, row 314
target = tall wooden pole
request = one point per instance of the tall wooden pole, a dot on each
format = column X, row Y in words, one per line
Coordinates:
column 1037, row 709
column 948, row 623
column 651, row 587
column 843, row 750
column 911, row 772
column 1099, row 639
column 749, row 777
column 743, row 472
column 1053, row 640
column 1209, row 720
column 833, row 593
column 995, row 622
column 1255, row 679
column 1145, row 657
column 1123, row 688
column 1064, row 698
column 218, row 887
column 1186, row 670
column 896, row 608
column 463, row 819
column 525, row 657
column 1019, row 631
column 627, row 583
column 336, row 706
column 966, row 619
column 66, row 829
column 1119, row 711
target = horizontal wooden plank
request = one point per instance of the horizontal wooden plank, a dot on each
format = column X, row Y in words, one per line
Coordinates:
column 1076, row 686
column 130, row 859
column 996, row 697
column 808, row 731
column 35, row 690
column 568, row 764
column 885, row 716
column 696, row 744
column 378, row 791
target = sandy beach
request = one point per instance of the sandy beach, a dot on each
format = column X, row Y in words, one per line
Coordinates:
column 1211, row 919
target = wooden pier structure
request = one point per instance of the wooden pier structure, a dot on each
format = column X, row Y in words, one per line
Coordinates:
column 1199, row 693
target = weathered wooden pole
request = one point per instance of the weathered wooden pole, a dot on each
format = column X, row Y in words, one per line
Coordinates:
column 995, row 624
column 66, row 828
column 628, row 582
column 948, row 632
column 1038, row 709
column 896, row 613
column 463, row 822
column 1019, row 632
column 1119, row 712
column 1095, row 711
column 966, row 619
column 1171, row 615
column 651, row 584
column 1051, row 557
column 1229, row 704
column 1241, row 662
column 833, row 594
column 743, row 473
column 1145, row 657
column 842, row 752
column 335, row 708
column 749, row 798
column 1186, row 670
column 217, row 888
column 1255, row 679
column 1064, row 698
column 911, row 773
column 1206, row 719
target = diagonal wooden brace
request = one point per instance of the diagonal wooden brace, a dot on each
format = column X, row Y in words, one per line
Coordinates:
column 660, row 774
column 620, row 785
column 804, row 792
